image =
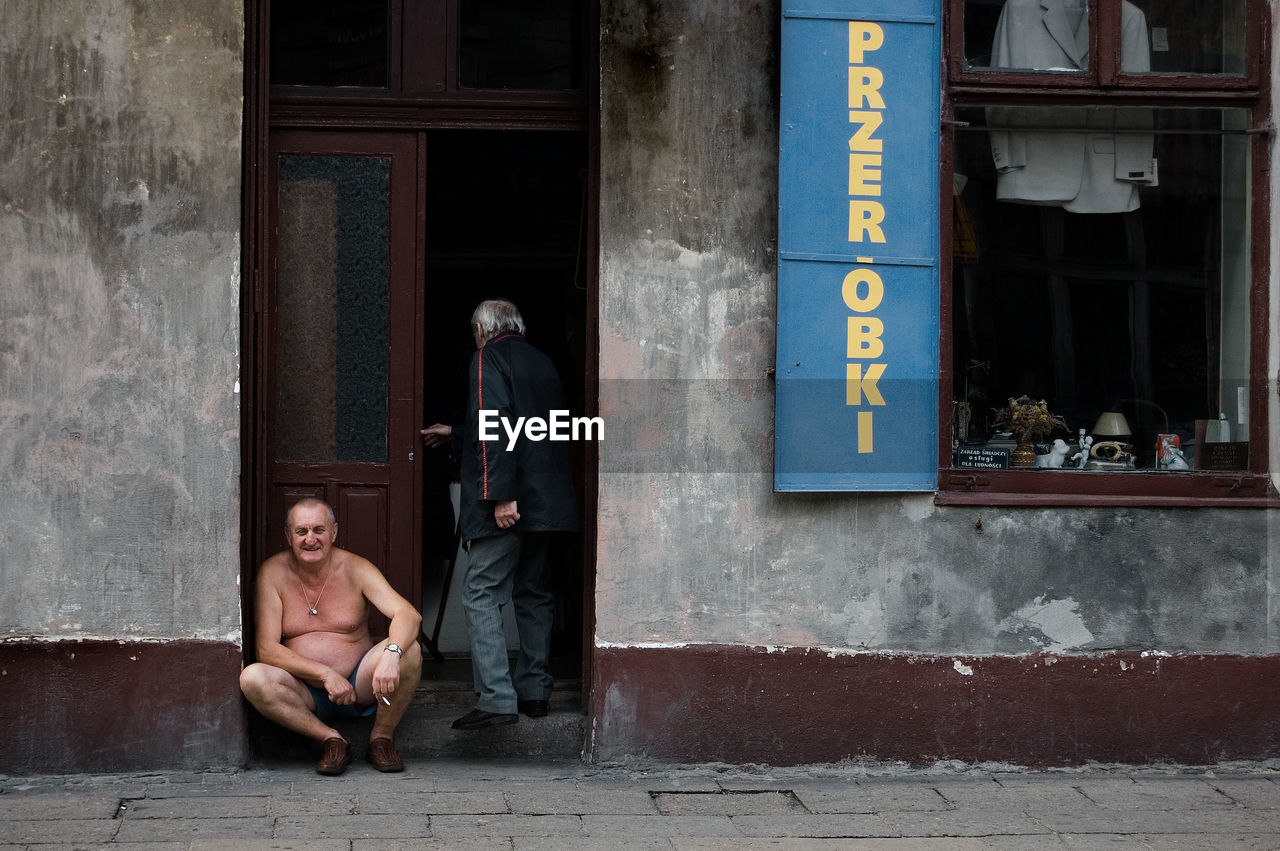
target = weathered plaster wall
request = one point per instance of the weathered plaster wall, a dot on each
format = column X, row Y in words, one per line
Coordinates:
column 119, row 318
column 693, row 545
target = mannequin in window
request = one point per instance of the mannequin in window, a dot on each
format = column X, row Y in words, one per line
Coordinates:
column 1099, row 158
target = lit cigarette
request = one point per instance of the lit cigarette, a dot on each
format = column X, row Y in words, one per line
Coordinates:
column 384, row 699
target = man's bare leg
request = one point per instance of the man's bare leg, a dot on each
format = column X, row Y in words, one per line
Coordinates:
column 282, row 698
column 381, row 751
column 388, row 716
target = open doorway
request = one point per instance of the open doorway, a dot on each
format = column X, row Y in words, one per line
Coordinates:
column 505, row 218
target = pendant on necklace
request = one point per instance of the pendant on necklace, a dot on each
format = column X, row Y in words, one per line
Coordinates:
column 313, row 611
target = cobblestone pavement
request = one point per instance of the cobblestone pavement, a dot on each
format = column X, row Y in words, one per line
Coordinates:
column 561, row 805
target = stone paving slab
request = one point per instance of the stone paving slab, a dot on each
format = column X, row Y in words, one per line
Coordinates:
column 175, row 845
column 869, row 797
column 679, row 782
column 725, row 803
column 1010, row 822
column 468, row 827
column 216, row 786
column 1158, row 794
column 816, row 844
column 386, row 801
column 846, row 826
column 961, row 794
column 693, row 825
column 1216, row 842
column 1083, row 842
column 57, row 805
column 64, row 831
column 1049, row 842
column 195, row 807
column 267, row 845
column 483, row 844
column 1188, row 821
column 177, row 829
column 354, row 827
column 303, row 804
column 581, row 800
column 594, row 843
column 1254, row 793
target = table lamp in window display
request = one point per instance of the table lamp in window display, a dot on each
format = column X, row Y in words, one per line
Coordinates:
column 1113, row 443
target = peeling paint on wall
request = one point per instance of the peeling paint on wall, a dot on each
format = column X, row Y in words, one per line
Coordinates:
column 1049, row 624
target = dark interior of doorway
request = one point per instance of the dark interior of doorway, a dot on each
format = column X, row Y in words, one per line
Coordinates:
column 505, row 218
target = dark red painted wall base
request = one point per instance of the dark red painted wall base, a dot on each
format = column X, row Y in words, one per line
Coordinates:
column 108, row 706
column 747, row 705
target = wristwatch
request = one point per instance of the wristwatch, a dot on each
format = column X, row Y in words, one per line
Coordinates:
column 395, row 648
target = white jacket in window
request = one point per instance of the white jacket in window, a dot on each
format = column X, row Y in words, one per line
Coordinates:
column 1083, row 159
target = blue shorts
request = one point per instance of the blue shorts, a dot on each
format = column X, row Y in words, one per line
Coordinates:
column 326, row 708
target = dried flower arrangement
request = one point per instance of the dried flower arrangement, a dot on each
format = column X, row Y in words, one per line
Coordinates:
column 1029, row 420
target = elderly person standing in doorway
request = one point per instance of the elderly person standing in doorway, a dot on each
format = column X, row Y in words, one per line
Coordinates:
column 513, row 497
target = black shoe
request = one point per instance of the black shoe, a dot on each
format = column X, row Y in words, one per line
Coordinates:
column 532, row 708
column 478, row 719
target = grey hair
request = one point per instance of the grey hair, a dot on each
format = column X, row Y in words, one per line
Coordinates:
column 497, row 315
column 308, row 501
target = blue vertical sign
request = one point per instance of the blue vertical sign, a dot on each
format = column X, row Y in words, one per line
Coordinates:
column 858, row 285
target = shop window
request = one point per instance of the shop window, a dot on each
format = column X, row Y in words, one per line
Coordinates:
column 1103, row 252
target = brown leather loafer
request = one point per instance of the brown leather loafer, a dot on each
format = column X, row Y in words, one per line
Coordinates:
column 382, row 755
column 336, row 757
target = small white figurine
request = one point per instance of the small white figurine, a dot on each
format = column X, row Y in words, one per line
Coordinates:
column 1056, row 455
column 1082, row 457
column 1171, row 457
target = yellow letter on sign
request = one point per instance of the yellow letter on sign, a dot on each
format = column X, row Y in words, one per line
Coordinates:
column 864, row 37
column 856, row 385
column 864, row 337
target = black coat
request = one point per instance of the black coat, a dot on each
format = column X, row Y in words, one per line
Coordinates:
column 514, row 379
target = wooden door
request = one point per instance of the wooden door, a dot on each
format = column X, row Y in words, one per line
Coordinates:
column 340, row 387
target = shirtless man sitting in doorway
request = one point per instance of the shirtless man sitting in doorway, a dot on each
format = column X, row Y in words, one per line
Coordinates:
column 316, row 659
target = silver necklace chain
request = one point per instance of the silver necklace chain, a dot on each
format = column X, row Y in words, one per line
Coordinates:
column 313, row 607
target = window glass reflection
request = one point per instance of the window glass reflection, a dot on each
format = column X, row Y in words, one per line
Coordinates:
column 329, row 43
column 1193, row 36
column 1027, row 35
column 515, row 44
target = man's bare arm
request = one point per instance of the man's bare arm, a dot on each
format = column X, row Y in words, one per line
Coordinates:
column 403, row 630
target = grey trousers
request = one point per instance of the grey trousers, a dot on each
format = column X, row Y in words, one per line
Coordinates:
column 509, row 568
